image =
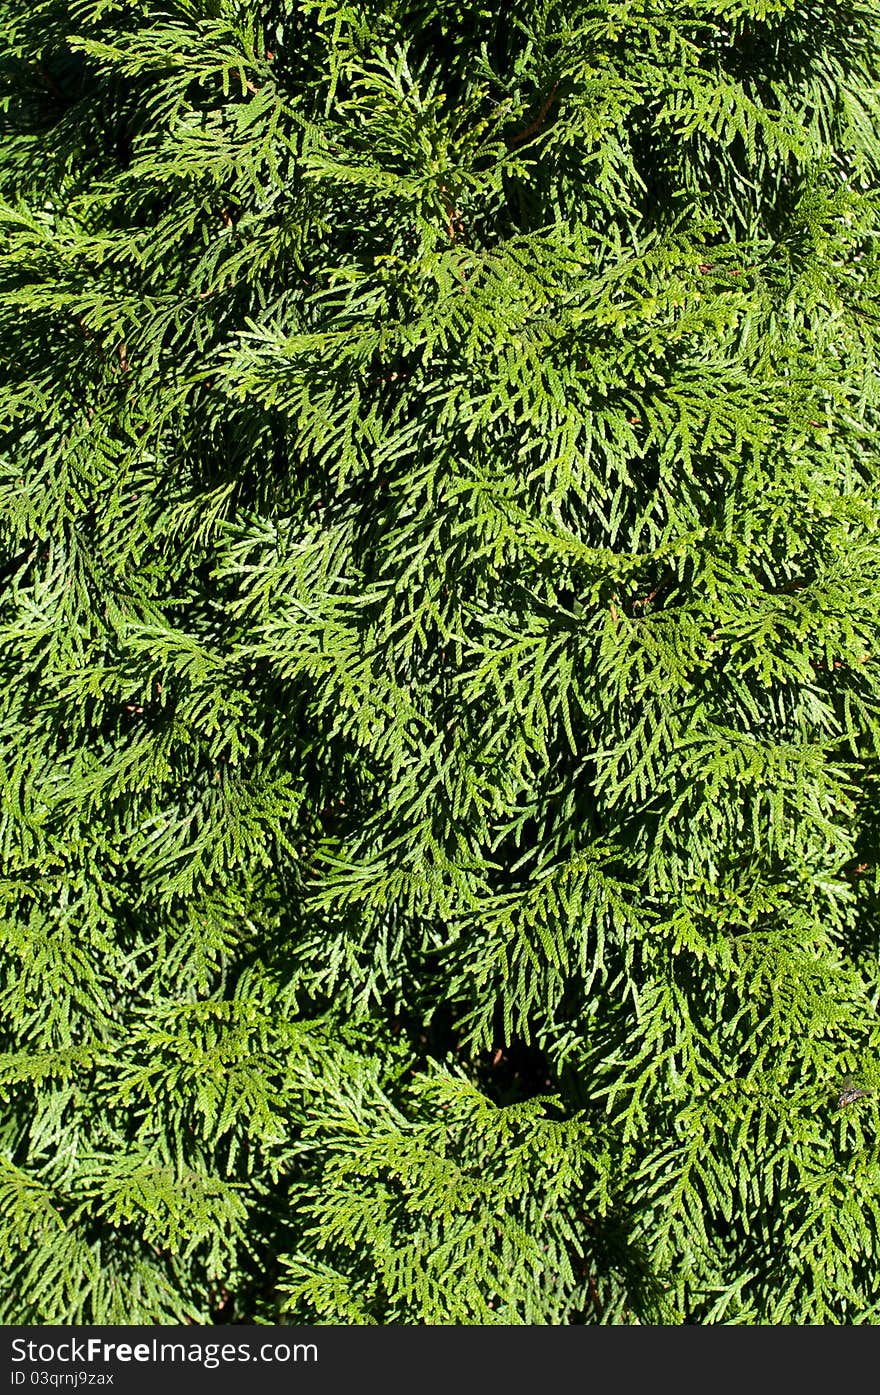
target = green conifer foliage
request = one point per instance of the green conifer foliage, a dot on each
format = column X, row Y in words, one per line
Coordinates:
column 440, row 702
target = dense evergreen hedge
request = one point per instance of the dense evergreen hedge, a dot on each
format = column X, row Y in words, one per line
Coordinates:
column 440, row 704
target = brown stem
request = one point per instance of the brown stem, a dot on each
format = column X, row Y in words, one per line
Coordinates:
column 664, row 581
column 48, row 81
column 539, row 120
column 454, row 224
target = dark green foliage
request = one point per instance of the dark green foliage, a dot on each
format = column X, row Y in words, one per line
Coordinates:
column 440, row 702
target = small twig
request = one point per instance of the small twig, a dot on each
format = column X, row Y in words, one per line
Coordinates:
column 389, row 378
column 664, row 581
column 48, row 81
column 454, row 225
column 539, row 120
column 646, row 600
